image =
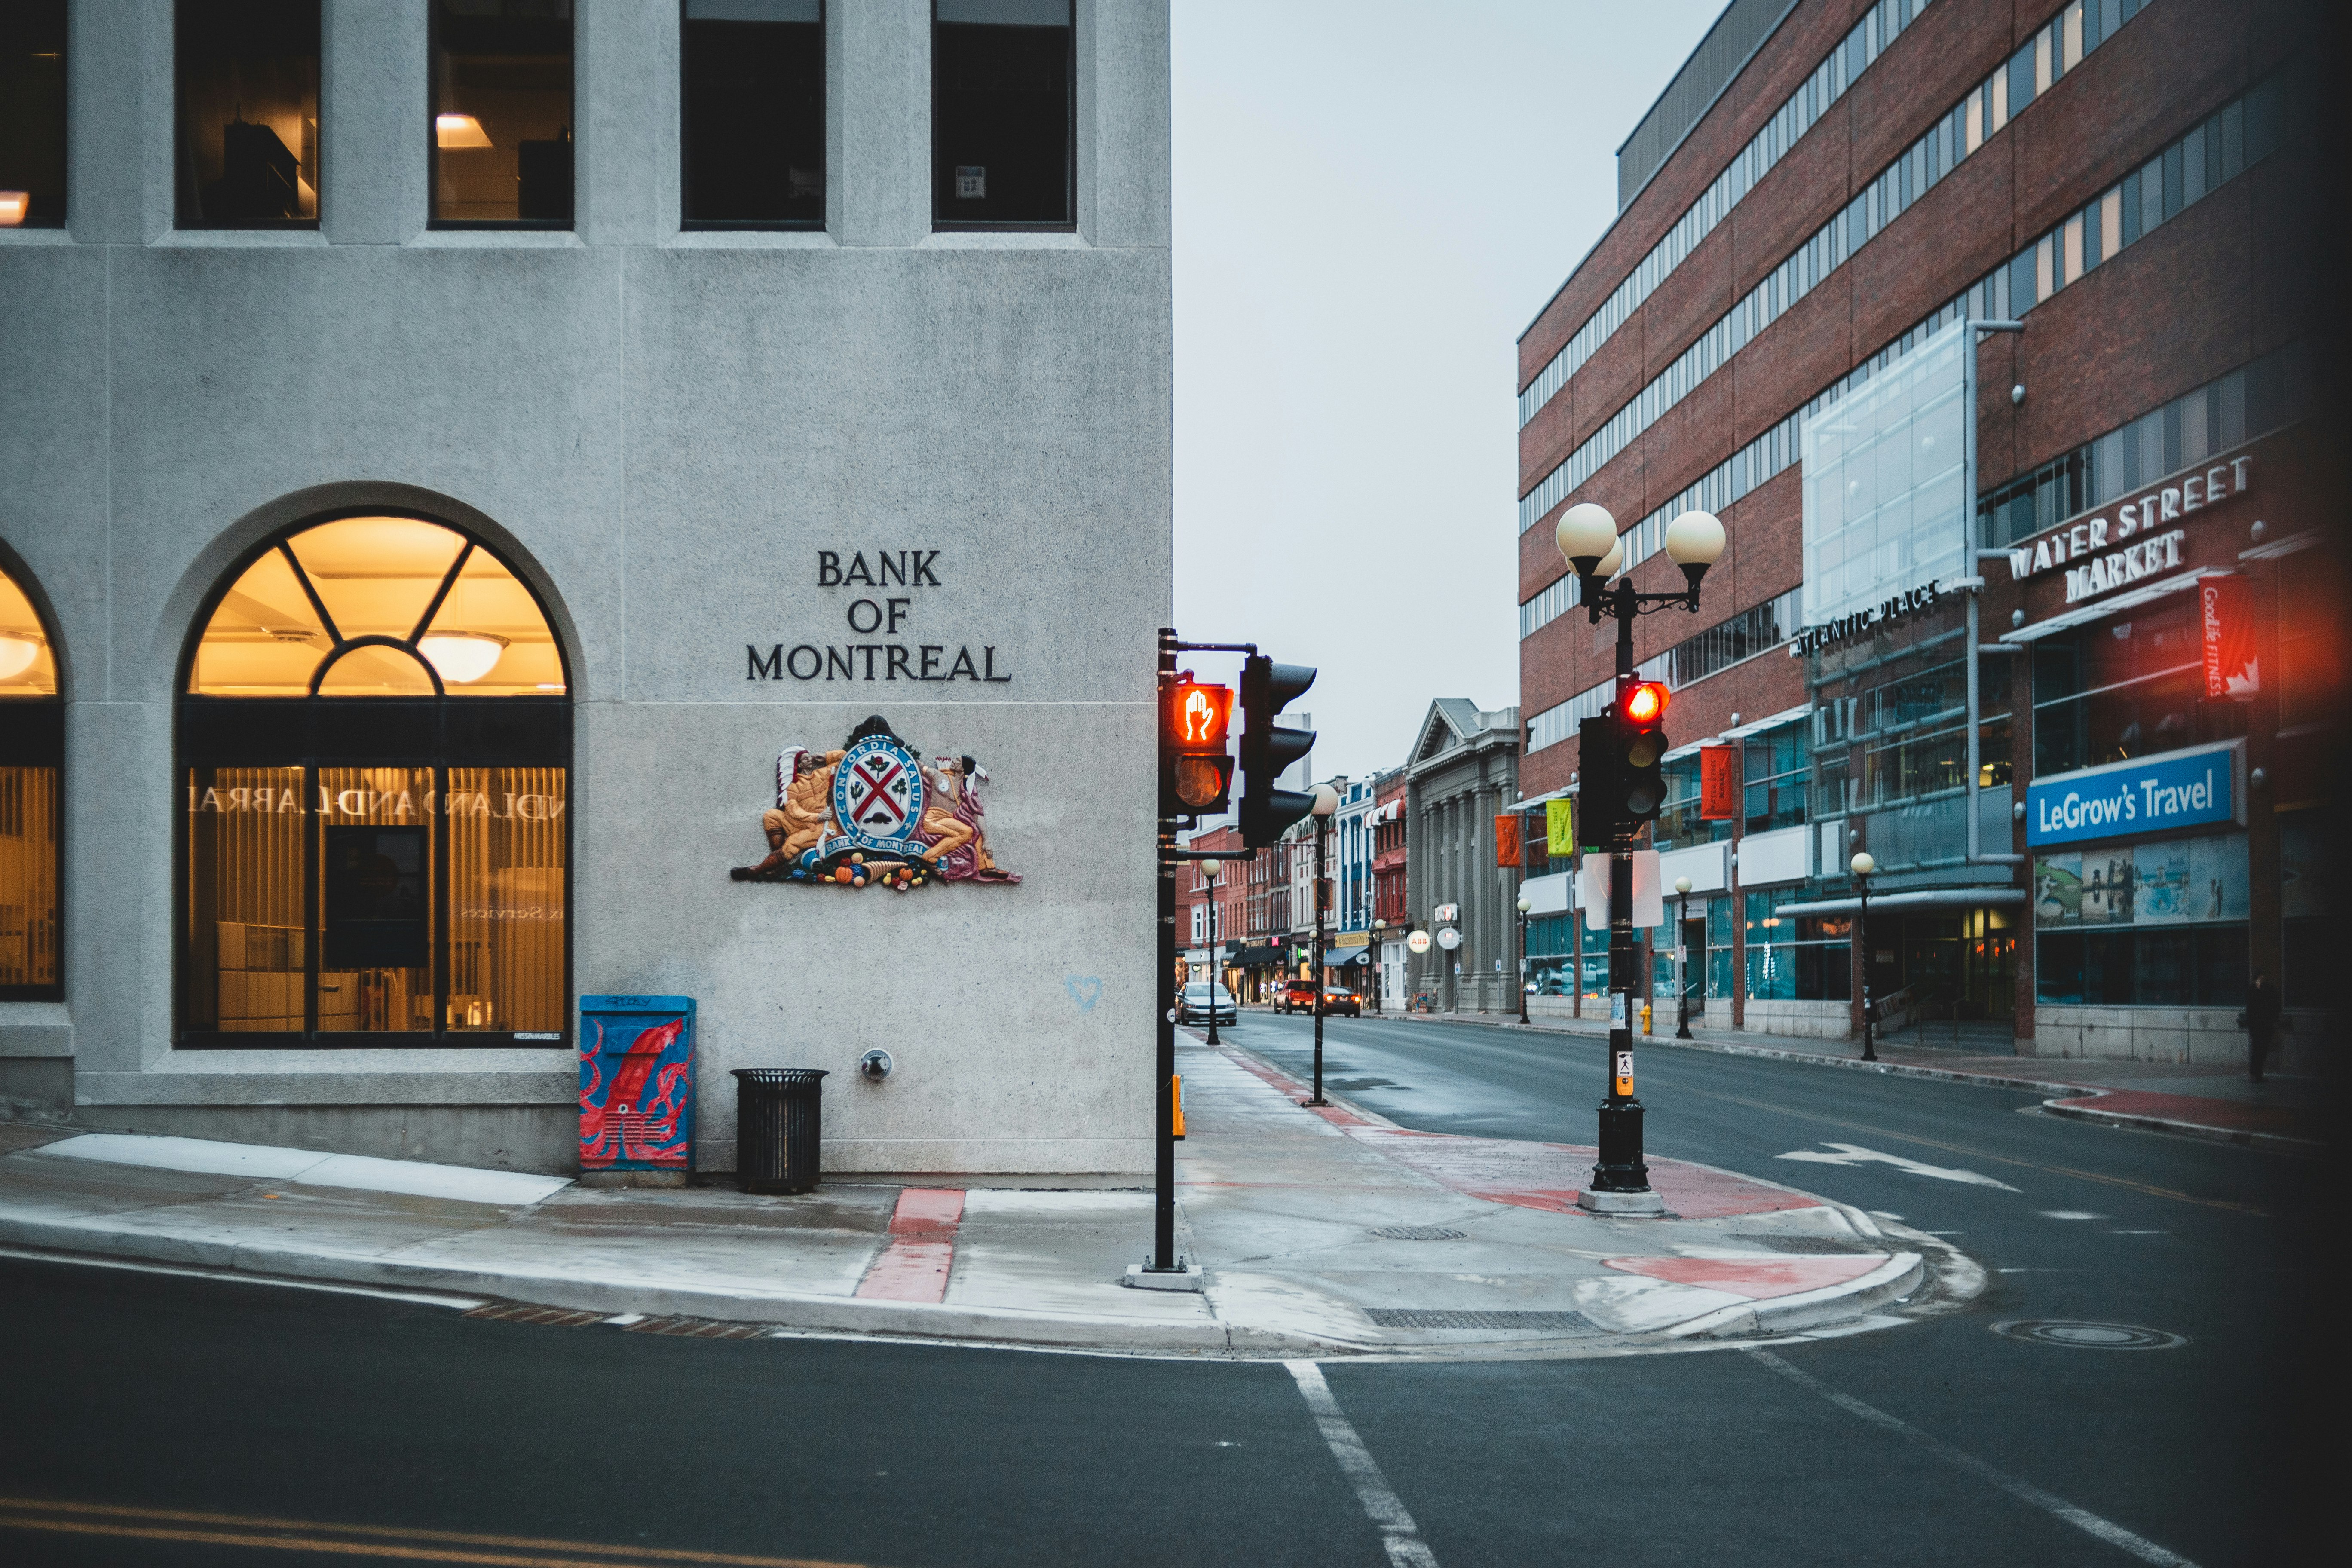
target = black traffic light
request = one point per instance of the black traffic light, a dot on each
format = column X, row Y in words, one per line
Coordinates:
column 1599, row 812
column 1641, row 752
column 1267, row 688
column 1196, row 772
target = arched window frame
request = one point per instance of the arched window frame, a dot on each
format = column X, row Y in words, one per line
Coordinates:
column 32, row 735
column 317, row 730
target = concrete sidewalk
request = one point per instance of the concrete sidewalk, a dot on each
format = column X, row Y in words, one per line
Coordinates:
column 1329, row 1233
column 2216, row 1104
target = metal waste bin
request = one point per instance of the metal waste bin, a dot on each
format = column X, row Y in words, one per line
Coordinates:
column 777, row 1124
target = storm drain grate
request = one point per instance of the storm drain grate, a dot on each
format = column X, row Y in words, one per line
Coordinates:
column 1418, row 1233
column 1447, row 1318
column 552, row 1317
column 698, row 1329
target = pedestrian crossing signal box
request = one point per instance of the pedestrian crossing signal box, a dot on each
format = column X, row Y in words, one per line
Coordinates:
column 637, row 1083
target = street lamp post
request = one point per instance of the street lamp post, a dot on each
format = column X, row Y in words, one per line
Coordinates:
column 1326, row 801
column 1861, row 866
column 1380, row 969
column 1525, row 905
column 1587, row 536
column 1209, row 868
column 1681, row 957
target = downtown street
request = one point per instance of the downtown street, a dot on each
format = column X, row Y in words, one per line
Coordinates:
column 320, row 1425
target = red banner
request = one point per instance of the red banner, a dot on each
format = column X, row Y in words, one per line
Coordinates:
column 1507, row 849
column 1719, row 792
column 2226, row 607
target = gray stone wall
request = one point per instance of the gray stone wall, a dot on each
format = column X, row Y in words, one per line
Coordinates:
column 661, row 430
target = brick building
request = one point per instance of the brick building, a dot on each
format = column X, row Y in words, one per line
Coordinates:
column 1780, row 328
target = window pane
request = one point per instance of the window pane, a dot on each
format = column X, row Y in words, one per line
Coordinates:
column 376, row 575
column 506, row 899
column 753, row 73
column 33, row 112
column 1000, row 115
column 248, row 108
column 26, row 666
column 375, row 900
column 28, row 876
column 246, row 928
column 375, row 670
column 502, row 111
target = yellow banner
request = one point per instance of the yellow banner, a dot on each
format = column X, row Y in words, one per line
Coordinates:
column 1559, row 830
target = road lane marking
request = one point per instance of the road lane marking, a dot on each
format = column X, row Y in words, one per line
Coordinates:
column 233, row 1277
column 1399, row 1534
column 1980, row 1154
column 2070, row 1214
column 382, row 1540
column 1855, row 1155
column 2090, row 1523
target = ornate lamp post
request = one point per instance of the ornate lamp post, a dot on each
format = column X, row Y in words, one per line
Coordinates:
column 1588, row 538
column 1525, row 905
column 1861, row 866
column 1682, row 959
column 1326, row 801
column 1209, row 868
column 1380, row 970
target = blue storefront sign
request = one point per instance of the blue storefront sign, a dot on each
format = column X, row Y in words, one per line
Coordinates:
column 2121, row 800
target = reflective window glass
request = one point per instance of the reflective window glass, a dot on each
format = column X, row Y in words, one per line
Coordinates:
column 752, row 79
column 1001, row 113
column 249, row 113
column 32, row 760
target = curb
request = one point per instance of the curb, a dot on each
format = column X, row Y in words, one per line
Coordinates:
column 2274, row 1142
column 1898, row 1276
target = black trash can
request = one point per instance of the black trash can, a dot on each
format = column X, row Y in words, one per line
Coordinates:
column 777, row 1124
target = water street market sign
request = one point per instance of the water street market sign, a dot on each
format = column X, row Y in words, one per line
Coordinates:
column 2143, row 517
column 2179, row 789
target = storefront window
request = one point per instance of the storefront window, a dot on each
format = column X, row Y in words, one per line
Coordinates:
column 2125, row 688
column 33, row 113
column 376, row 741
column 32, row 763
column 248, row 108
column 1779, row 767
column 1794, row 958
column 2160, row 924
column 2304, row 909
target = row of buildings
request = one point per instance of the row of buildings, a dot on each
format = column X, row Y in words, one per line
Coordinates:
column 1990, row 329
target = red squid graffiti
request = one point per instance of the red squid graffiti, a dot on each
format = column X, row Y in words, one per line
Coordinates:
column 619, row 1119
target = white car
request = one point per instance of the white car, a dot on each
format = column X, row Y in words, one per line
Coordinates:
column 1203, row 1001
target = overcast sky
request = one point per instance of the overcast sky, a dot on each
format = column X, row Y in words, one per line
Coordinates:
column 1372, row 199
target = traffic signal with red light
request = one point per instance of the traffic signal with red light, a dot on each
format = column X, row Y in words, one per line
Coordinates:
column 1266, row 688
column 1196, row 774
column 1641, row 752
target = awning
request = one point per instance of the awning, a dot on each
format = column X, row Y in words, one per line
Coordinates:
column 2102, row 609
column 1929, row 899
column 1256, row 957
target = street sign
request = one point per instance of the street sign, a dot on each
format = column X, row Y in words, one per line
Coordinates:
column 1449, row 938
column 1417, row 943
column 1446, row 914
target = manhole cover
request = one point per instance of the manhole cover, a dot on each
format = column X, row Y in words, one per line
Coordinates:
column 1418, row 1233
column 1524, row 1322
column 2089, row 1336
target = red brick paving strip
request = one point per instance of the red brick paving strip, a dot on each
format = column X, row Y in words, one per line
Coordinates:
column 914, row 1267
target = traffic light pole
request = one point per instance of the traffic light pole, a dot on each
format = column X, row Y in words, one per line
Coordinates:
column 1620, row 1168
column 1322, row 823
column 1164, row 1203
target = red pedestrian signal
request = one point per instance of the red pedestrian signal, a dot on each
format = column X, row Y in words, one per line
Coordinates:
column 1196, row 776
column 1646, row 703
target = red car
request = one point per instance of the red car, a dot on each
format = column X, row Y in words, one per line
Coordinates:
column 1296, row 996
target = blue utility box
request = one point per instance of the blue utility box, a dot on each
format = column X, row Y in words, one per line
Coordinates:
column 637, row 1083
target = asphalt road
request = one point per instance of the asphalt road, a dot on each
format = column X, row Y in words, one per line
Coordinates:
column 186, row 1420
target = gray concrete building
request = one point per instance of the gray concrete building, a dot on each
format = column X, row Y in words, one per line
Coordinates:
column 1464, row 772
column 466, row 514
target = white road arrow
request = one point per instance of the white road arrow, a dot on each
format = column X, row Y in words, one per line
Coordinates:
column 1855, row 1155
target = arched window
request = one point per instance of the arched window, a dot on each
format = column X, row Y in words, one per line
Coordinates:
column 32, row 763
column 376, row 739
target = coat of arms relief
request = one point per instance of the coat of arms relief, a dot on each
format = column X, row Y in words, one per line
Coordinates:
column 874, row 812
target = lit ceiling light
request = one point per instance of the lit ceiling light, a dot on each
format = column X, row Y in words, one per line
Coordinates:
column 14, row 205
column 18, row 653
column 462, row 658
column 460, row 131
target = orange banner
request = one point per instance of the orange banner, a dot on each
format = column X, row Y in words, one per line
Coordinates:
column 1719, row 795
column 1508, row 850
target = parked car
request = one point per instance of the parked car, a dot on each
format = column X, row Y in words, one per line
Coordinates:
column 1203, row 1001
column 1296, row 996
column 1340, row 999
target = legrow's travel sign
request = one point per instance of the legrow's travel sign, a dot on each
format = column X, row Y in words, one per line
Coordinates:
column 2157, row 549
column 2121, row 800
column 891, row 616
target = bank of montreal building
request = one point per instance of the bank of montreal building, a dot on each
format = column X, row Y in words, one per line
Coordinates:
column 436, row 435
column 1820, row 194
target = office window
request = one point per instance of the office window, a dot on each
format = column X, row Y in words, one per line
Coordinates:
column 1002, row 107
column 248, row 155
column 501, row 136
column 752, row 81
column 32, row 761
column 33, row 113
column 375, row 747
